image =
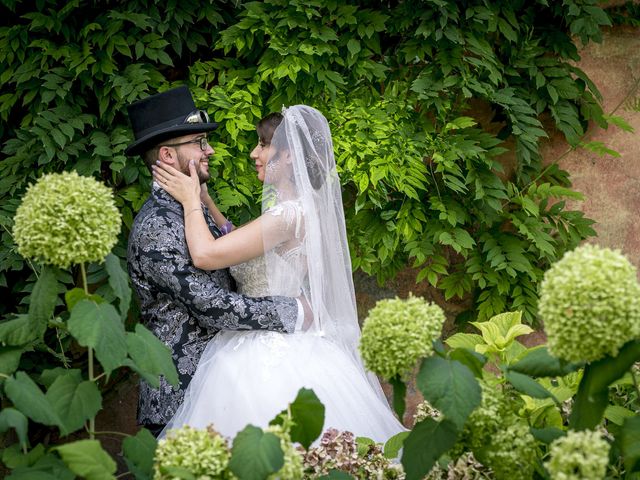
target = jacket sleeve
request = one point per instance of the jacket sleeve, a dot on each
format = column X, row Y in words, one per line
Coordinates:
column 162, row 255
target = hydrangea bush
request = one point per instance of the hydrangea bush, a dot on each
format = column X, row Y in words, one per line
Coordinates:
column 293, row 467
column 580, row 455
column 66, row 219
column 590, row 304
column 203, row 453
column 397, row 333
column 499, row 438
column 339, row 451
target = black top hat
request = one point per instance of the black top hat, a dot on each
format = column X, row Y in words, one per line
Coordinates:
column 163, row 116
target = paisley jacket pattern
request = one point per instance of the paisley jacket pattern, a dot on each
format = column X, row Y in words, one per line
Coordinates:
column 184, row 306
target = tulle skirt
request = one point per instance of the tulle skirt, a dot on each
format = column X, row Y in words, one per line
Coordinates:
column 249, row 377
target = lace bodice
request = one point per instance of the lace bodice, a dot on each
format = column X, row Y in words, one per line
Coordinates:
column 288, row 260
column 251, row 278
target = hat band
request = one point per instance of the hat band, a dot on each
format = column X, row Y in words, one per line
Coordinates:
column 197, row 116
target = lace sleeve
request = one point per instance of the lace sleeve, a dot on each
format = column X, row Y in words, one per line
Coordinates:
column 286, row 219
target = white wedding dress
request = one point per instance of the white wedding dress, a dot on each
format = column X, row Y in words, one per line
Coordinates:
column 249, row 377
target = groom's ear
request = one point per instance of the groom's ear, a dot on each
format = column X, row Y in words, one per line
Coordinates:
column 167, row 155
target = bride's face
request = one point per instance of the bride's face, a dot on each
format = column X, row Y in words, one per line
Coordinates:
column 260, row 155
column 268, row 159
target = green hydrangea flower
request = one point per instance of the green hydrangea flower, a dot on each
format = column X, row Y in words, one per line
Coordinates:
column 293, row 468
column 66, row 219
column 203, row 453
column 590, row 304
column 397, row 333
column 499, row 438
column 580, row 455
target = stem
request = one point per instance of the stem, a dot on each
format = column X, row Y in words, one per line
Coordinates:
column 635, row 382
column 92, row 420
column 64, row 357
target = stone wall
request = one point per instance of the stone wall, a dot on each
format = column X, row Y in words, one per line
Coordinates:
column 611, row 185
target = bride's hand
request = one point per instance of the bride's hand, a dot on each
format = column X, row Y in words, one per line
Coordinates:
column 185, row 189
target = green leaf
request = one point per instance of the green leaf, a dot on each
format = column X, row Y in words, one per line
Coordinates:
column 629, row 439
column 150, row 357
column 593, row 393
column 74, row 401
column 539, row 363
column 138, row 453
column 17, row 331
column 12, row 418
column 88, row 459
column 30, row 400
column 13, row 456
column 307, row 413
column 354, row 47
column 472, row 360
column 548, row 434
column 399, row 394
column 73, row 296
column 527, row 385
column 255, row 454
column 43, row 300
column 617, row 414
column 10, row 359
column 425, row 444
column 449, row 386
column 119, row 282
column 99, row 326
column 464, row 340
column 393, row 446
column 46, row 467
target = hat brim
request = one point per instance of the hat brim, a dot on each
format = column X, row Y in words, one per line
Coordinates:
column 143, row 144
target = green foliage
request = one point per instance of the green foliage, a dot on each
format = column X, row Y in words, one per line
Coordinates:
column 48, row 378
column 424, row 183
column 306, row 413
column 255, row 454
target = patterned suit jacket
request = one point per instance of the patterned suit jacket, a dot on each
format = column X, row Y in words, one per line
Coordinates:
column 185, row 306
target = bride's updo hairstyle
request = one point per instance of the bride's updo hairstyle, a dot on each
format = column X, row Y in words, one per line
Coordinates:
column 315, row 144
column 267, row 126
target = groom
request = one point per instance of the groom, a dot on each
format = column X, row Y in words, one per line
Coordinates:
column 182, row 305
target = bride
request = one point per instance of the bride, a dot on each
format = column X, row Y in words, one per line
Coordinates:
column 296, row 248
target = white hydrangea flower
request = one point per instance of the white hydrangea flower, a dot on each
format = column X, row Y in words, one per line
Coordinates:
column 203, row 453
column 397, row 333
column 66, row 219
column 580, row 455
column 590, row 304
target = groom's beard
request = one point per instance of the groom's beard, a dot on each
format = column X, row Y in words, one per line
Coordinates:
column 203, row 172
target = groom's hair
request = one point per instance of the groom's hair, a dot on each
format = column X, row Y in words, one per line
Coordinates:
column 150, row 157
column 267, row 126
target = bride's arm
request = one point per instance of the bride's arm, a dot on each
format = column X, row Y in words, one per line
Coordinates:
column 225, row 225
column 208, row 252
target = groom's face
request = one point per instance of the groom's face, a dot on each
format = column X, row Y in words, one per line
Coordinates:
column 193, row 151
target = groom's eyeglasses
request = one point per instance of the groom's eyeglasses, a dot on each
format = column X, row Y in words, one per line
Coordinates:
column 202, row 141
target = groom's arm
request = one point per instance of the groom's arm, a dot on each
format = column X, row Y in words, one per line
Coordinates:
column 169, row 271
